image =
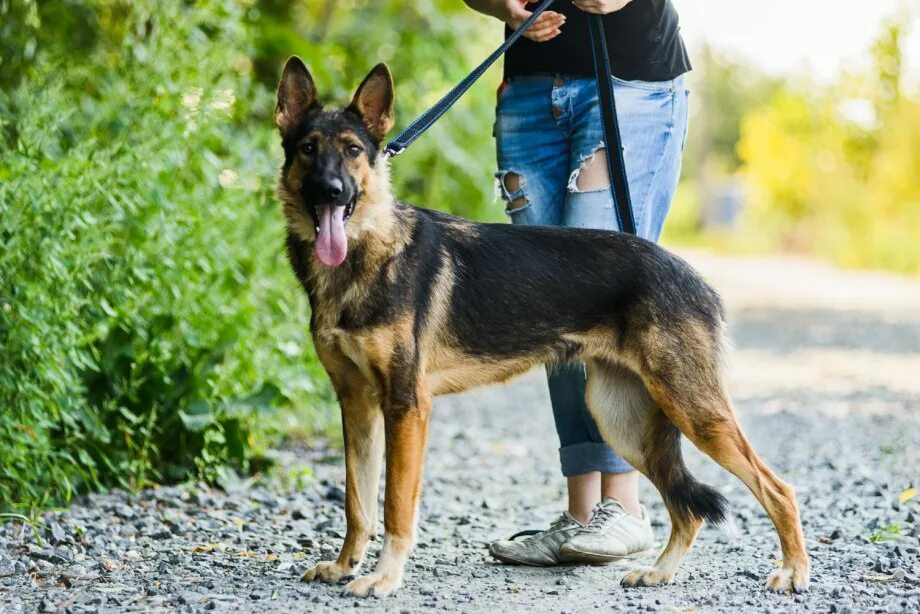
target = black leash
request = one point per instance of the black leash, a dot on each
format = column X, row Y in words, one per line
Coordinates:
column 424, row 121
column 619, row 188
column 616, row 167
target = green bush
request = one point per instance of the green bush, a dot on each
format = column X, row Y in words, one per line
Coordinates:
column 148, row 320
column 149, row 327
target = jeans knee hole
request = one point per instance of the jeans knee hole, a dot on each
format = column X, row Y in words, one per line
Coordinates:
column 516, row 205
column 591, row 175
column 512, row 184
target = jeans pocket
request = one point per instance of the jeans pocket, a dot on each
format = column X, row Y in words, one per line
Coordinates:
column 650, row 86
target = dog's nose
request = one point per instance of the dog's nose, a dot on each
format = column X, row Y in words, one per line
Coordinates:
column 334, row 187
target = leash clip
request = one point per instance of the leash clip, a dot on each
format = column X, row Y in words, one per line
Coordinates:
column 392, row 150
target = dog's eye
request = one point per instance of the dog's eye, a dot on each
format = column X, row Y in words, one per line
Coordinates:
column 353, row 150
column 308, row 149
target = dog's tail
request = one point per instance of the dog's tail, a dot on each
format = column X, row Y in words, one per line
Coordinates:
column 683, row 494
column 656, row 446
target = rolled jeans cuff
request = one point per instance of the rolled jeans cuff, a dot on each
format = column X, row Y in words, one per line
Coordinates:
column 591, row 456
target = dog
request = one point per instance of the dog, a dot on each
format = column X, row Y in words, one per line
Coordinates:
column 409, row 303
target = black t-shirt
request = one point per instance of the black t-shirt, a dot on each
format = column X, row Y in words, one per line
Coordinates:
column 643, row 41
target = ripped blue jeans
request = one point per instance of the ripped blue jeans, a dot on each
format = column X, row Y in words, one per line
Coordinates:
column 547, row 127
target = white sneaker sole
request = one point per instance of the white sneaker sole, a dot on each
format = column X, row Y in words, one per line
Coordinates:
column 573, row 555
column 504, row 558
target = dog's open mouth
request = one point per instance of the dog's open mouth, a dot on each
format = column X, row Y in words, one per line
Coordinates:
column 331, row 242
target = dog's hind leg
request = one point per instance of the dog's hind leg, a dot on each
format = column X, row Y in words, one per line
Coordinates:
column 686, row 382
column 634, row 425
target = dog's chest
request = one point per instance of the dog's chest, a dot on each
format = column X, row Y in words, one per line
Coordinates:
column 371, row 349
column 352, row 304
column 352, row 346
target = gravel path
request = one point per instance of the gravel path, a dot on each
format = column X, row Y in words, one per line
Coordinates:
column 826, row 379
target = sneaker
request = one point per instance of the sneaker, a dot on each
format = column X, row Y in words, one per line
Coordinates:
column 612, row 534
column 538, row 548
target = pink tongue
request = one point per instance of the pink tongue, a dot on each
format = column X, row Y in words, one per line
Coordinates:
column 331, row 243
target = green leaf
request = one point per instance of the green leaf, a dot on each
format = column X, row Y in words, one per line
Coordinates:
column 198, row 416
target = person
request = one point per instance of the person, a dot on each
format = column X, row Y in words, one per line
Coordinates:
column 553, row 171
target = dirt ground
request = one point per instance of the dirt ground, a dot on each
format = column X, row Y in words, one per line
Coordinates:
column 826, row 380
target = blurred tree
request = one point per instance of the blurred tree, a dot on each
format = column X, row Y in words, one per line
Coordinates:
column 889, row 63
column 722, row 91
column 836, row 170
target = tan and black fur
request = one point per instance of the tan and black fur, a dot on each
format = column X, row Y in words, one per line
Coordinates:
column 426, row 303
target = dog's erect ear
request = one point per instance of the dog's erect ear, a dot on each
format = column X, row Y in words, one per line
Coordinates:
column 373, row 102
column 296, row 94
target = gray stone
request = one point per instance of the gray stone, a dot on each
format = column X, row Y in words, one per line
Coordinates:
column 335, row 493
column 126, row 512
column 57, row 532
column 64, row 554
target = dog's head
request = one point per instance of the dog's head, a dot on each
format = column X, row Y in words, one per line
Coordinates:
column 333, row 180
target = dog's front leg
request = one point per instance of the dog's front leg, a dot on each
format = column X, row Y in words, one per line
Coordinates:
column 362, row 426
column 406, row 428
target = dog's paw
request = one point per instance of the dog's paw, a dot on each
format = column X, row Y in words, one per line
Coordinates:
column 328, row 571
column 646, row 576
column 789, row 579
column 372, row 585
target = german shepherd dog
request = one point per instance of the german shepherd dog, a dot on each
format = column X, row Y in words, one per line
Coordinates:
column 408, row 303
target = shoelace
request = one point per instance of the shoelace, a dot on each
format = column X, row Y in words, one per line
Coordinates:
column 603, row 515
column 558, row 524
column 533, row 534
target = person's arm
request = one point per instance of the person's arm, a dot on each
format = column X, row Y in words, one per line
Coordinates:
column 513, row 13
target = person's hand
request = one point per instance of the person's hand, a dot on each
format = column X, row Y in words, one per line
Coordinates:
column 600, row 7
column 546, row 26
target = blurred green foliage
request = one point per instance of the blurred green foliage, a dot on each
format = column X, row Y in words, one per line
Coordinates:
column 831, row 169
column 836, row 170
column 149, row 326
